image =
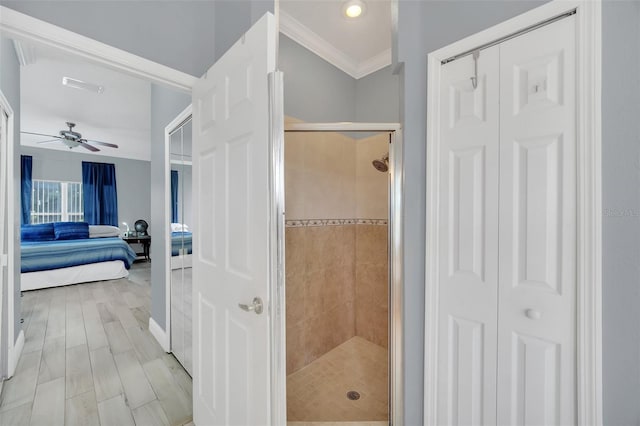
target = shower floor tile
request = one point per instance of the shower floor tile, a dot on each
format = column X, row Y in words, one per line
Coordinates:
column 318, row 392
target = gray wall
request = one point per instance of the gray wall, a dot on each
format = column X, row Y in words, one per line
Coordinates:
column 10, row 86
column 378, row 97
column 314, row 90
column 185, row 35
column 233, row 18
column 621, row 204
column 427, row 26
column 157, row 30
column 133, row 178
column 166, row 104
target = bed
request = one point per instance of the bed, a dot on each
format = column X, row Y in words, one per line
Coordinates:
column 181, row 240
column 181, row 246
column 71, row 258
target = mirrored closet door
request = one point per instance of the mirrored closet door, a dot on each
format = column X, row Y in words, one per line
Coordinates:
column 181, row 247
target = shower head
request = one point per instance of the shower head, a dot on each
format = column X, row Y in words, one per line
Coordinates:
column 382, row 165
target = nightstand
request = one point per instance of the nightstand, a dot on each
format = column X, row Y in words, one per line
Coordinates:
column 144, row 241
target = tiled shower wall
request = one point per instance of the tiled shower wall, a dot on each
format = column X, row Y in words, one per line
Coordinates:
column 372, row 284
column 336, row 270
column 320, row 288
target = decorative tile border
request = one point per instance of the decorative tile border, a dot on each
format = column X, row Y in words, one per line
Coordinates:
column 301, row 223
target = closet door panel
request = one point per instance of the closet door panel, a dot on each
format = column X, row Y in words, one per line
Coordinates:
column 537, row 290
column 468, row 278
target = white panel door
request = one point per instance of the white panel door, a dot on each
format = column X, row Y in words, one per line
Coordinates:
column 468, row 276
column 537, row 293
column 231, row 255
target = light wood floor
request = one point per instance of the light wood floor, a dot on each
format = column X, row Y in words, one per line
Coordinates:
column 89, row 359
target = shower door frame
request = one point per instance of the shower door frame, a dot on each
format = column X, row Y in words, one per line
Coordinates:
column 395, row 250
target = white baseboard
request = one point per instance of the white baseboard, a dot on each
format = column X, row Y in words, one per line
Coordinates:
column 14, row 354
column 160, row 335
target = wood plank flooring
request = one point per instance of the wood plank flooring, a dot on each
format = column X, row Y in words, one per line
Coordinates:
column 89, row 359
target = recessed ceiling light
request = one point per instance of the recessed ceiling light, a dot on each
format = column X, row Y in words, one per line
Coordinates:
column 78, row 84
column 353, row 8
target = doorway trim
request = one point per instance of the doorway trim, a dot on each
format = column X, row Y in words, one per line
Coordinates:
column 14, row 345
column 395, row 255
column 589, row 199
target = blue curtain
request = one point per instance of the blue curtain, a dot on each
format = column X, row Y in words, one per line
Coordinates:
column 100, row 194
column 26, row 163
column 174, row 196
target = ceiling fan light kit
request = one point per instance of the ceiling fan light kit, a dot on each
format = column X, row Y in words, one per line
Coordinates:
column 353, row 8
column 82, row 85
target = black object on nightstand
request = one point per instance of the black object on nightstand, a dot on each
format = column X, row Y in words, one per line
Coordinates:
column 141, row 227
column 144, row 240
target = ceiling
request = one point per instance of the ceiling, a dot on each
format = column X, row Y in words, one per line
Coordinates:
column 357, row 46
column 120, row 115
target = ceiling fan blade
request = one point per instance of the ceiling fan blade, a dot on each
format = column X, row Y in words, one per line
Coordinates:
column 87, row 146
column 52, row 140
column 42, row 134
column 112, row 145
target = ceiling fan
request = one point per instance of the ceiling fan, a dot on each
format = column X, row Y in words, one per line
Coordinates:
column 73, row 139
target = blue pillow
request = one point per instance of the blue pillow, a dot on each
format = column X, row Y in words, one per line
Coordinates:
column 71, row 230
column 39, row 232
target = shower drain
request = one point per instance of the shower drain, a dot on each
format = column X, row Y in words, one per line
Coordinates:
column 353, row 395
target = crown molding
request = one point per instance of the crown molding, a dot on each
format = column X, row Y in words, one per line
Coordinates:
column 374, row 63
column 302, row 35
column 25, row 52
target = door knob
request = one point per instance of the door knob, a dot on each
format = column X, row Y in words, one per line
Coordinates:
column 256, row 306
column 533, row 314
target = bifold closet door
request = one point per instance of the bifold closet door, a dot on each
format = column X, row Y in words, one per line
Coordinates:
column 507, row 232
column 537, row 262
column 468, row 241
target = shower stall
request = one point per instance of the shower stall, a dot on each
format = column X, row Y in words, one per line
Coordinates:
column 337, row 276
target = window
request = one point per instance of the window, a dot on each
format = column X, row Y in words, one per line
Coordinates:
column 53, row 201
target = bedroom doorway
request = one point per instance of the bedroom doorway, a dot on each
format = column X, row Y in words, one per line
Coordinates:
column 91, row 334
